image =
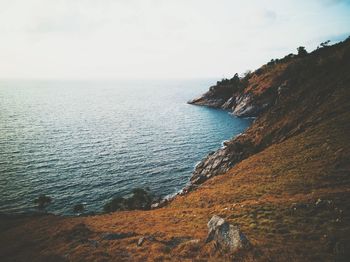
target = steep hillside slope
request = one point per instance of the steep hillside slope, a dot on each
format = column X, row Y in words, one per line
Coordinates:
column 285, row 182
column 288, row 97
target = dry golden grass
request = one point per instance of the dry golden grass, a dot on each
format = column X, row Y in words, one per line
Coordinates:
column 258, row 84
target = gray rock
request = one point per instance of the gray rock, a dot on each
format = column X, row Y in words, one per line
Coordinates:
column 155, row 205
column 140, row 241
column 192, row 242
column 161, row 203
column 218, row 163
column 243, row 105
column 225, row 235
column 248, row 105
column 282, row 89
column 229, row 103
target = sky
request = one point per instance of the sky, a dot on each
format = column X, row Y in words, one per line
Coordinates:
column 151, row 39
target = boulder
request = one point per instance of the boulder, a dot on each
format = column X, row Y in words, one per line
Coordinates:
column 140, row 241
column 160, row 204
column 155, row 205
column 225, row 235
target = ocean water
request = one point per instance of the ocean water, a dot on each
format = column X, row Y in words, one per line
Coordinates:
column 88, row 141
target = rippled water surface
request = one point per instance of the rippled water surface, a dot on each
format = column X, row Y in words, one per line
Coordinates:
column 85, row 142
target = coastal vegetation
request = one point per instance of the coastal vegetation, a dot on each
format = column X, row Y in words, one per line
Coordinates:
column 78, row 208
column 140, row 199
column 43, row 201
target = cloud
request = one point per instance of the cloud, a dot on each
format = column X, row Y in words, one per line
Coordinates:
column 335, row 2
column 270, row 15
column 64, row 24
column 155, row 38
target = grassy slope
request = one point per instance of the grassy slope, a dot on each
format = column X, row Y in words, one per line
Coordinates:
column 270, row 195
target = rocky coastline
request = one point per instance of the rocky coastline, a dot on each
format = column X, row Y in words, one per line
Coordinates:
column 282, row 194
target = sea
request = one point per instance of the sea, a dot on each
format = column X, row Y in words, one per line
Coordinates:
column 85, row 142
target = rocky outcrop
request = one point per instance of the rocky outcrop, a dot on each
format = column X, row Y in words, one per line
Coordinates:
column 240, row 104
column 225, row 235
column 219, row 95
column 220, row 161
column 252, row 94
column 249, row 106
column 214, row 163
column 229, row 103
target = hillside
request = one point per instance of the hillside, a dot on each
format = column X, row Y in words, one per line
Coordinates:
column 288, row 97
column 285, row 181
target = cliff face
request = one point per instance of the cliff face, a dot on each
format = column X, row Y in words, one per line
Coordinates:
column 285, row 183
column 287, row 96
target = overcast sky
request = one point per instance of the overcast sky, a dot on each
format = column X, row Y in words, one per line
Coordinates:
column 83, row 39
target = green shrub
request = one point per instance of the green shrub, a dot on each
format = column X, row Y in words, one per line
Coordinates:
column 301, row 51
column 117, row 203
column 140, row 199
column 43, row 201
column 78, row 208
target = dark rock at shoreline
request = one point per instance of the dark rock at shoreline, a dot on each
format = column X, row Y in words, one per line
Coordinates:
column 221, row 161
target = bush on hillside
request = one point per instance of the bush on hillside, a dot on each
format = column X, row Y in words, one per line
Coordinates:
column 78, row 208
column 140, row 199
column 301, row 51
